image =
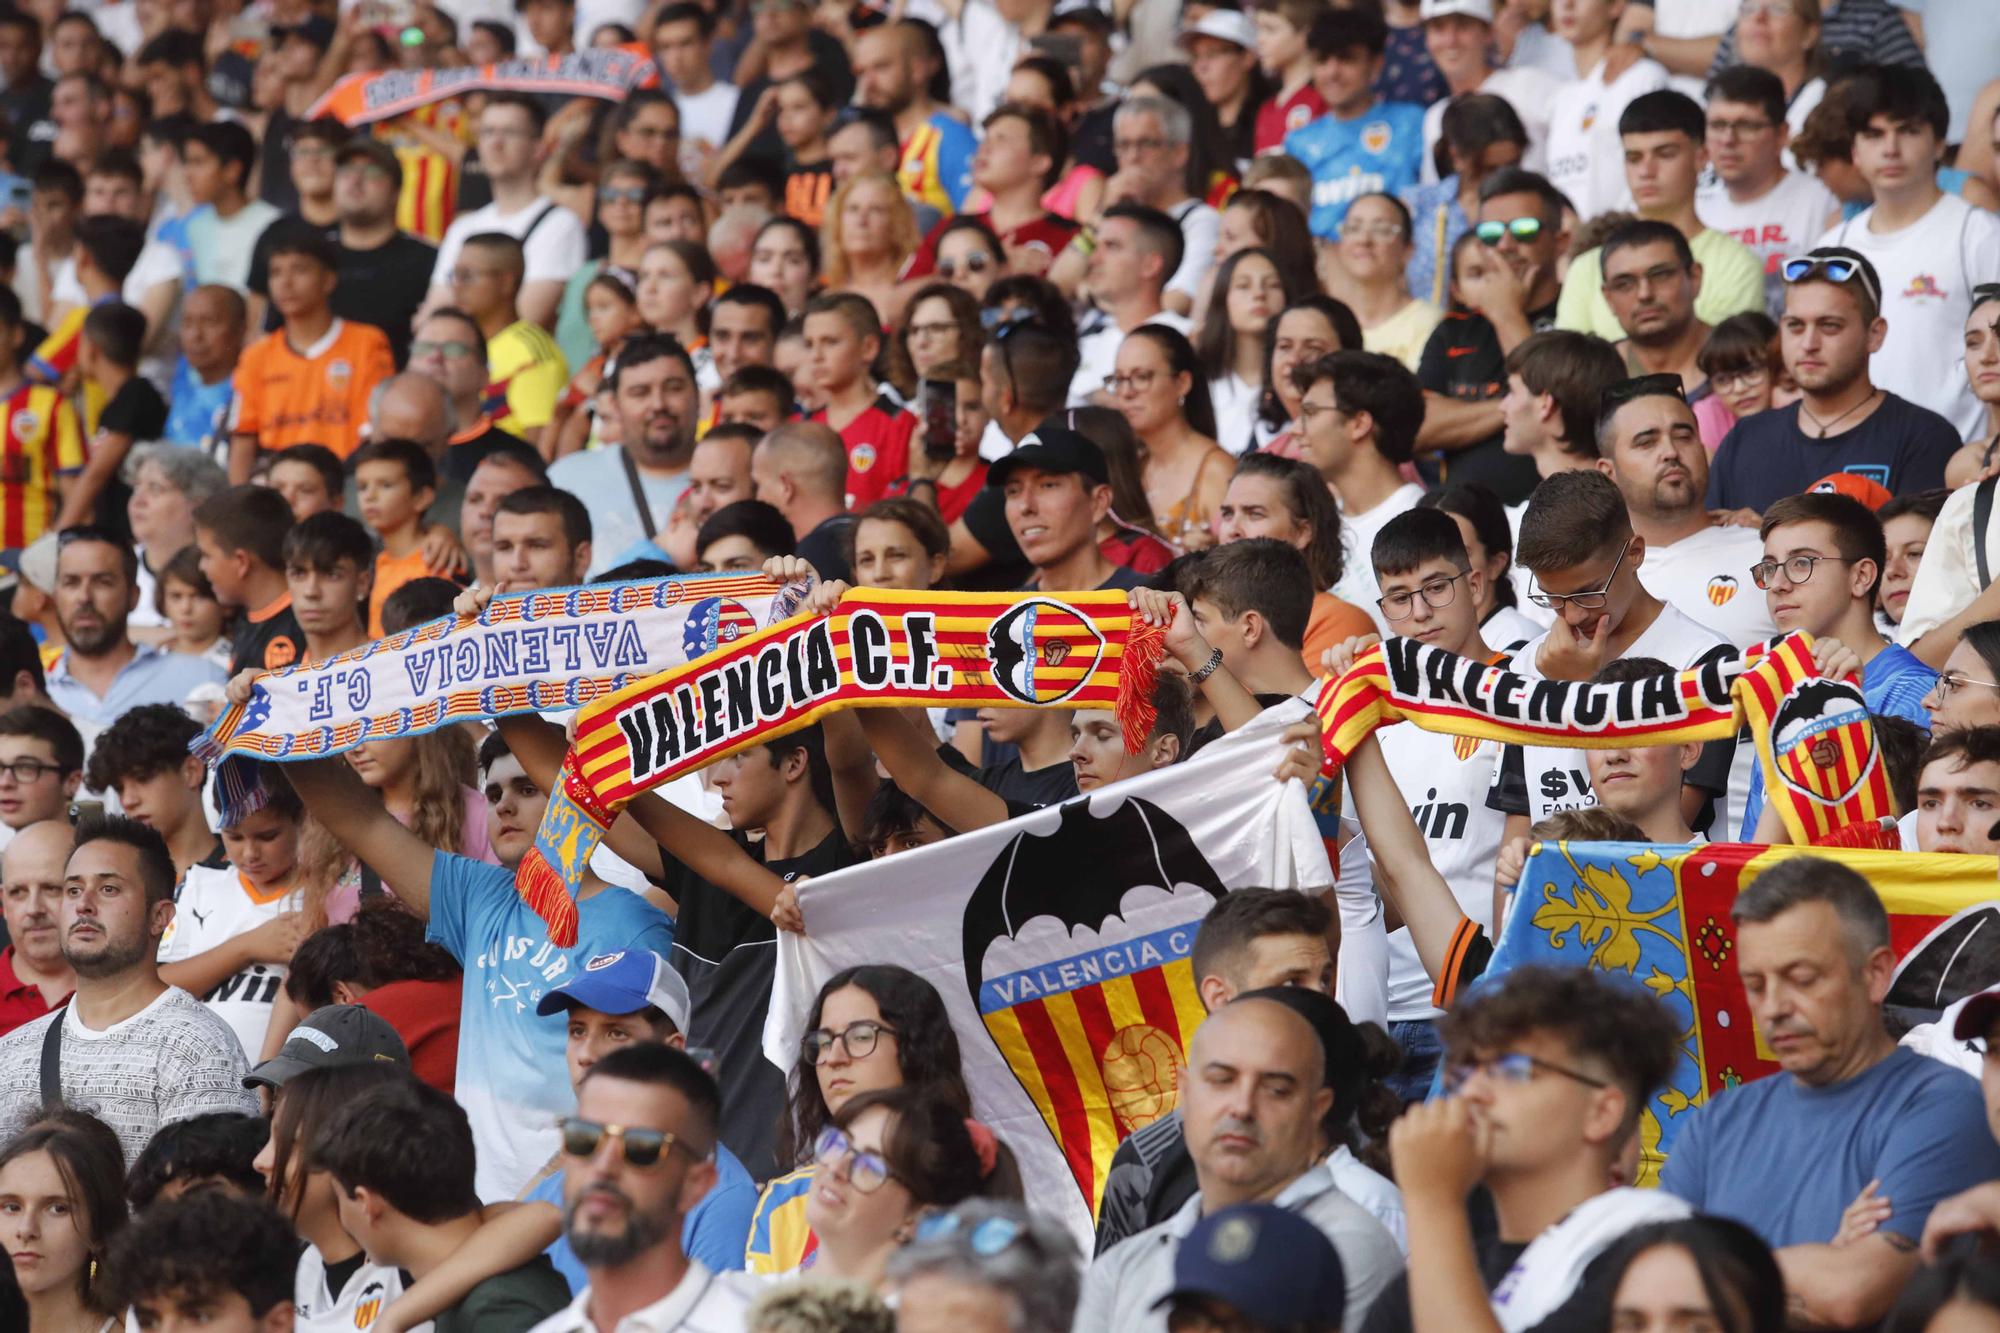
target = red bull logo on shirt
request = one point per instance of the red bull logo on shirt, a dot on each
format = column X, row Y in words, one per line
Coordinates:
column 1924, row 285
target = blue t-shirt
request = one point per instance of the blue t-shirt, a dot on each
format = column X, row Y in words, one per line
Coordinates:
column 513, row 1079
column 1408, row 72
column 1380, row 150
column 1914, row 1123
column 715, row 1232
column 196, row 411
column 1900, row 446
column 1893, row 684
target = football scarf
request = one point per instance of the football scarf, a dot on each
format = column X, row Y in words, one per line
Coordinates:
column 605, row 73
column 878, row 649
column 1813, row 736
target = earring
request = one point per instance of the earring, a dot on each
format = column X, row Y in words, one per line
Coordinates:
column 1183, row 400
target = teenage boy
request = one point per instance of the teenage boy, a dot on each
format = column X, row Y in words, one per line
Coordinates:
column 142, row 759
column 1285, row 56
column 1359, row 419
column 1928, row 248
column 523, row 363
column 1822, row 559
column 1958, row 782
column 132, row 412
column 1019, row 159
column 1643, row 783
column 1097, row 740
column 1578, row 544
column 1137, row 251
column 1057, row 487
column 1843, row 422
column 211, row 1259
column 1586, row 159
column 241, row 536
column 1555, row 380
column 219, row 158
column 395, row 483
column 329, row 569
column 1510, row 296
column 1663, row 144
column 41, row 766
column 843, row 340
column 541, row 538
column 309, row 382
column 1362, row 144
column 1753, row 195
column 310, row 477
column 1549, row 1070
column 401, row 1158
column 1652, row 451
column 41, row 444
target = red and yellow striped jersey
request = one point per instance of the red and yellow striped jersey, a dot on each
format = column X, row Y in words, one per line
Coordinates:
column 40, row 441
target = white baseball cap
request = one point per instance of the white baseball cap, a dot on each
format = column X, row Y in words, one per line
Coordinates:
column 1225, row 25
column 1472, row 9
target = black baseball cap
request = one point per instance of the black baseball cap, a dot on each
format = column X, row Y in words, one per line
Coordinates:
column 1086, row 12
column 1053, row 449
column 333, row 1037
column 367, row 148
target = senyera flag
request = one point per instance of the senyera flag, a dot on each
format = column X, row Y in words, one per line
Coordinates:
column 609, row 73
column 1660, row 915
column 1060, row 942
column 878, row 648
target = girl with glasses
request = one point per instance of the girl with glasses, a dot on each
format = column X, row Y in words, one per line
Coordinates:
column 1375, row 252
column 1740, row 358
column 1967, row 693
column 871, row 1028
column 1250, row 288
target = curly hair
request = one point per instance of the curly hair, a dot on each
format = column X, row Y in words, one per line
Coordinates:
column 209, row 1243
column 143, row 743
column 390, row 942
column 964, row 313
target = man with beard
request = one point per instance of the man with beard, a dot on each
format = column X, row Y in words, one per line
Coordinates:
column 384, row 271
column 1651, row 281
column 1650, row 448
column 935, row 163
column 630, row 488
column 639, row 1157
column 102, row 672
column 130, row 1049
column 1843, row 423
column 34, row 975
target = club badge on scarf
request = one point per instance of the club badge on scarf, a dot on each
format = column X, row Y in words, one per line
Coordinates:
column 878, row 649
column 607, row 73
column 1813, row 735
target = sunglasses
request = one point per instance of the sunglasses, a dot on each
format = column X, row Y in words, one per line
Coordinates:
column 1834, row 268
column 985, row 1238
column 1521, row 229
column 976, row 262
column 642, row 1147
column 611, row 194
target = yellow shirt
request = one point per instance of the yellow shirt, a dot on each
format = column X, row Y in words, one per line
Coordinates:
column 524, row 363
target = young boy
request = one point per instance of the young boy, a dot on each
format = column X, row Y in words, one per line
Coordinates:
column 133, row 411
column 1643, row 783
column 843, row 337
column 41, row 443
column 310, row 380
column 759, row 396
column 1554, row 380
column 1097, row 741
column 241, row 536
column 395, row 482
column 143, row 760
column 238, row 922
column 310, row 478
column 1586, row 156
column 329, row 567
column 213, row 1259
column 1362, row 144
column 1284, row 55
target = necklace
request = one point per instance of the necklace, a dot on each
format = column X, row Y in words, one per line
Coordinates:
column 1825, row 426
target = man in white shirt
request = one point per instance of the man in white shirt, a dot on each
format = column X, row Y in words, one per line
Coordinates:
column 1138, row 248
column 1459, row 36
column 1928, row 247
column 1359, row 424
column 552, row 237
column 638, row 1155
column 1586, row 159
column 1753, row 197
column 681, row 39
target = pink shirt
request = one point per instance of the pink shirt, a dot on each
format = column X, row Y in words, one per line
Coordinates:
column 345, row 900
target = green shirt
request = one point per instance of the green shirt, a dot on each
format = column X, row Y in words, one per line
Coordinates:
column 512, row 1302
column 1732, row 281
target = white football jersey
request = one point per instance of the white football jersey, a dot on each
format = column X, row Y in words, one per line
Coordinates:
column 217, row 905
column 352, row 1309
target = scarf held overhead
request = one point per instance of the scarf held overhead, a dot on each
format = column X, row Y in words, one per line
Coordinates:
column 1813, row 736
column 610, row 74
column 879, row 648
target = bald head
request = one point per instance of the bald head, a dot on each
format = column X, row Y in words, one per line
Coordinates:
column 801, row 469
column 38, row 851
column 1282, row 1031
column 31, row 884
column 411, row 406
column 1252, row 1098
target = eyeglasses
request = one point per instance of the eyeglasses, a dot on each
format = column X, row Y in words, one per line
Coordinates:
column 1123, row 147
column 1834, row 268
column 631, row 194
column 1373, row 231
column 642, row 1147
column 1437, row 593
column 1798, row 568
column 451, row 348
column 941, row 329
column 25, row 771
column 1307, row 411
column 1515, row 1067
column 1952, row 680
column 985, row 1239
column 1728, row 381
column 1737, row 129
column 857, row 1039
column 866, row 1171
column 976, row 262
column 1521, row 229
column 1659, row 275
column 1775, row 9
column 1591, row 599
column 1138, row 381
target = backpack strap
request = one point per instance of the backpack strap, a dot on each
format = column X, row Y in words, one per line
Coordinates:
column 52, row 1061
column 1982, row 515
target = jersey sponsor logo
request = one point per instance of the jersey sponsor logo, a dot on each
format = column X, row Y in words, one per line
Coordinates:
column 1721, row 589
column 862, row 457
column 1375, row 137
column 280, row 652
column 1346, row 189
column 1923, row 286
column 1441, row 821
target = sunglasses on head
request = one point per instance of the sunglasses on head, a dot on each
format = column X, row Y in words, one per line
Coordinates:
column 1521, row 229
column 984, row 1238
column 1834, row 268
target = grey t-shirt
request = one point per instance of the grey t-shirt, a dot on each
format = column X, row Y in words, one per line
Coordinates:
column 171, row 1060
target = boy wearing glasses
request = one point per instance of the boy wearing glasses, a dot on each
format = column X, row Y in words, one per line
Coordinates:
column 41, row 766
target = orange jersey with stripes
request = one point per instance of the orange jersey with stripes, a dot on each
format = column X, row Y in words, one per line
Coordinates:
column 40, row 440
column 284, row 397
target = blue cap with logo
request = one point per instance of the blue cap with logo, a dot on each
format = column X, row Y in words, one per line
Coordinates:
column 623, row 983
column 1274, row 1267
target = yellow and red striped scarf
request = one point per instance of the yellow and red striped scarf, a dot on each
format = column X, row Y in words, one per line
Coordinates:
column 879, row 648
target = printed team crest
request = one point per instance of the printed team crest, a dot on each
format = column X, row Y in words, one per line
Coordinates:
column 339, row 373
column 1924, row 285
column 1094, row 1031
column 1589, row 116
column 1375, row 137
column 715, row 622
column 862, row 458
column 1959, row 957
column 26, row 422
column 1298, row 118
column 1822, row 741
column 1721, row 589
column 1463, row 747
column 1043, row 651
column 280, row 652
column 603, row 961
column 370, row 1305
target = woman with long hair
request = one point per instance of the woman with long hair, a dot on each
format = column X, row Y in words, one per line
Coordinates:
column 970, row 256
column 1250, row 289
column 1157, row 382
column 1784, row 39
column 1982, row 371
column 941, row 327
column 676, row 283
column 1128, row 534
column 1489, row 543
column 785, row 259
column 1965, row 695
column 623, row 189
column 62, row 1198
column 1375, row 251
column 1699, row 1272
column 870, row 1028
column 868, row 237
column 1286, row 499
column 1907, row 521
column 1259, row 219
column 1302, row 332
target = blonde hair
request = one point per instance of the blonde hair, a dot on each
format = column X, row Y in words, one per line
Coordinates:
column 446, row 767
column 903, row 237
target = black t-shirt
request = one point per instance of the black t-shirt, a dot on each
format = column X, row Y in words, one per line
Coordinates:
column 1031, row 789
column 986, row 519
column 825, row 548
column 136, row 410
column 275, row 186
column 34, row 134
column 1900, row 446
column 463, row 456
column 1211, row 731
column 1463, row 362
column 384, row 287
column 1586, row 1311
column 728, row 954
column 268, row 639
column 1091, row 144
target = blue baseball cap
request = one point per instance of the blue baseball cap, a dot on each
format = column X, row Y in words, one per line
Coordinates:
column 623, row 983
column 1274, row 1267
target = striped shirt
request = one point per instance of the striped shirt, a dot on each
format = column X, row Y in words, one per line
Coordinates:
column 1858, row 32
column 40, row 441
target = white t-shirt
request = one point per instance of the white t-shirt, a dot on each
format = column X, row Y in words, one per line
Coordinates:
column 1928, row 270
column 705, row 115
column 597, row 477
column 1535, row 47
column 1200, row 225
column 223, row 246
column 1692, row 18
column 556, row 249
column 1357, row 539
column 1785, row 220
column 1508, row 627
column 1586, row 156
column 1235, row 400
column 1706, row 577
column 158, row 262
column 371, row 1289
column 1530, row 91
column 213, row 907
column 1097, row 350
